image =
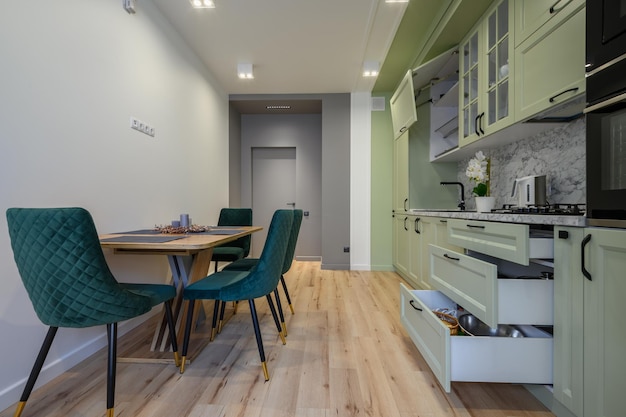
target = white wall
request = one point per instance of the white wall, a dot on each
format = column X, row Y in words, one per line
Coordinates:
column 72, row 74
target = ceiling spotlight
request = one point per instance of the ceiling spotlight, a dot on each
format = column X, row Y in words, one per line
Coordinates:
column 244, row 71
column 396, row 1
column 278, row 107
column 202, row 4
column 371, row 68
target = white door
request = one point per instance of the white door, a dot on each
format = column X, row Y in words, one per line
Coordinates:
column 273, row 187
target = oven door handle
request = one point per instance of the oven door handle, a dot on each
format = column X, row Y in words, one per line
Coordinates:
column 605, row 103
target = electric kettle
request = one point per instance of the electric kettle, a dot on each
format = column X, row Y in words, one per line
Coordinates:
column 530, row 191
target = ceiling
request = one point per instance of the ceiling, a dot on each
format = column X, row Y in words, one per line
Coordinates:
column 317, row 46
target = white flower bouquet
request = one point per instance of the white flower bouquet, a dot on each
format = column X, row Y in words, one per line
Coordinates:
column 478, row 171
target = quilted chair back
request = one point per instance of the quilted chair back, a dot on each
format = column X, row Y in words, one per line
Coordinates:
column 264, row 277
column 62, row 266
column 293, row 239
column 237, row 217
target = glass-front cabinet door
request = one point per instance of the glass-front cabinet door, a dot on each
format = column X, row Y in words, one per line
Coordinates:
column 487, row 94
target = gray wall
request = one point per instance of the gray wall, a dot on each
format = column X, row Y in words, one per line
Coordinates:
column 335, row 172
column 303, row 132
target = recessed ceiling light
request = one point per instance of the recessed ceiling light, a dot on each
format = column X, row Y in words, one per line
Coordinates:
column 202, row 4
column 396, row 1
column 371, row 68
column 278, row 107
column 244, row 71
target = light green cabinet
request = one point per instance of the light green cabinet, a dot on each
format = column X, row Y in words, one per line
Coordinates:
column 402, row 104
column 532, row 15
column 420, row 234
column 402, row 244
column 593, row 294
column 485, row 68
column 550, row 66
column 401, row 173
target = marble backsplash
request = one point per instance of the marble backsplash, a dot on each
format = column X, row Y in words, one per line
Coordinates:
column 558, row 153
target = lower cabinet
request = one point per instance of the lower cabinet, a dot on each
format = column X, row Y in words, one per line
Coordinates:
column 401, row 243
column 473, row 358
column 590, row 281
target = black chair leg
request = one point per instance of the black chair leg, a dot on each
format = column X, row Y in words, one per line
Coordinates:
column 282, row 281
column 216, row 309
column 259, row 341
column 34, row 373
column 221, row 323
column 279, row 306
column 273, row 310
column 112, row 363
column 172, row 326
column 187, row 334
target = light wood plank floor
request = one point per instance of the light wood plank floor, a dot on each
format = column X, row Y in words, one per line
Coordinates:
column 346, row 355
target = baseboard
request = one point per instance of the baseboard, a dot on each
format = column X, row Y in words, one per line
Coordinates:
column 308, row 258
column 335, row 267
column 544, row 394
column 12, row 393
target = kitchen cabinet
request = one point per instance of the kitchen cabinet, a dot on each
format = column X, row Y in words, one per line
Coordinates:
column 401, row 173
column 532, row 15
column 593, row 291
column 401, row 243
column 512, row 242
column 402, row 104
column 550, row 66
column 461, row 281
column 486, row 68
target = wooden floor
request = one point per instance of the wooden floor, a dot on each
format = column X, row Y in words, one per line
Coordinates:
column 346, row 355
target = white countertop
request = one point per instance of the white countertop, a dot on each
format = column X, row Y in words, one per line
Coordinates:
column 550, row 219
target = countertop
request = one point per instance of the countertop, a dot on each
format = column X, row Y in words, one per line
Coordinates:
column 549, row 219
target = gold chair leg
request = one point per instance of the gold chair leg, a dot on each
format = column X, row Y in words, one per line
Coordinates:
column 177, row 359
column 284, row 329
column 265, row 372
column 282, row 338
column 110, row 412
column 182, row 364
column 20, row 408
column 212, row 335
column 291, row 308
column 219, row 326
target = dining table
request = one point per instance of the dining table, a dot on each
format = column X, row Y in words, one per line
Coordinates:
column 189, row 257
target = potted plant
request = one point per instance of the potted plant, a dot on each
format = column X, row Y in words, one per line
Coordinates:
column 478, row 172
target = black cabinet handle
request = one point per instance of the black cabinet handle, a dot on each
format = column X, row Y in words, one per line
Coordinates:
column 476, row 125
column 403, row 129
column 586, row 273
column 554, row 10
column 475, row 226
column 417, row 220
column 480, row 124
column 443, row 221
column 413, row 305
column 406, row 200
column 405, row 219
column 445, row 255
column 571, row 90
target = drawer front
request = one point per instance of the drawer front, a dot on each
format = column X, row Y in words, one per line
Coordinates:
column 430, row 335
column 500, row 240
column 468, row 281
column 531, row 15
column 465, row 358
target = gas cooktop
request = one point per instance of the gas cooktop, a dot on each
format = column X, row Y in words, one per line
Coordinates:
column 547, row 209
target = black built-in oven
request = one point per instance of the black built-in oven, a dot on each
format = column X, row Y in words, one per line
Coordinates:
column 606, row 112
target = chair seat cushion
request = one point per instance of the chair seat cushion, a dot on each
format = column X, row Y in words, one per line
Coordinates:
column 227, row 254
column 213, row 287
column 244, row 264
column 157, row 293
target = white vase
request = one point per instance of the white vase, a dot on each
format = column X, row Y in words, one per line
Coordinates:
column 485, row 204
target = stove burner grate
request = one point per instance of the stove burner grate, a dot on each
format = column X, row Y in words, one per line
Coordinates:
column 557, row 209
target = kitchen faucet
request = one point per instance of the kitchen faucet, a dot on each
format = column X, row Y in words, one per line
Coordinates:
column 462, row 201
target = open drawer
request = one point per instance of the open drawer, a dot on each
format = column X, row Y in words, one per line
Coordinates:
column 469, row 358
column 475, row 285
column 512, row 242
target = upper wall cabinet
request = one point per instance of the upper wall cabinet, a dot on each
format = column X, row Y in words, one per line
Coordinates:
column 402, row 103
column 486, row 98
column 531, row 15
column 550, row 63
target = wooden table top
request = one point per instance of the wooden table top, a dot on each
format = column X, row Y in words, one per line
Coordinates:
column 186, row 244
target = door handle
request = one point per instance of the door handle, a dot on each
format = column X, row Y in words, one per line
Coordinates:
column 584, row 243
column 413, row 305
column 445, row 255
column 417, row 230
column 292, row 204
column 405, row 219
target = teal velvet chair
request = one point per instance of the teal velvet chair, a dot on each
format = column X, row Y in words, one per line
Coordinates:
column 62, row 266
column 258, row 282
column 239, row 248
column 248, row 263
